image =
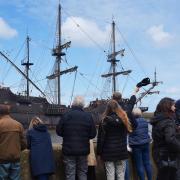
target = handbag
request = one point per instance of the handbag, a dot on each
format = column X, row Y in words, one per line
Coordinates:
column 168, row 163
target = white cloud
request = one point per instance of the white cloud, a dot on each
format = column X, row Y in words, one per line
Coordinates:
column 85, row 32
column 173, row 91
column 159, row 36
column 6, row 32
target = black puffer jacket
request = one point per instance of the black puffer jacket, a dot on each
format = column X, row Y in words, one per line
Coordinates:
column 165, row 143
column 77, row 128
column 112, row 139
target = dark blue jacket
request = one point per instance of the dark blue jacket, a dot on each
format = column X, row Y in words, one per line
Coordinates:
column 140, row 135
column 77, row 128
column 41, row 153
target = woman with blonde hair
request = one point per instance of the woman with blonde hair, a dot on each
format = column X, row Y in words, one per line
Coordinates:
column 112, row 140
column 41, row 153
column 139, row 141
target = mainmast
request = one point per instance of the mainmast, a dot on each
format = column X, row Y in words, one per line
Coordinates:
column 58, row 57
column 27, row 65
column 112, row 59
column 57, row 52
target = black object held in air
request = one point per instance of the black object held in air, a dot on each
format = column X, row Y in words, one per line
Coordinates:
column 144, row 82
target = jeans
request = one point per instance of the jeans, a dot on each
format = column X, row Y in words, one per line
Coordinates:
column 75, row 165
column 115, row 169
column 166, row 173
column 178, row 168
column 10, row 171
column 43, row 177
column 141, row 156
column 127, row 171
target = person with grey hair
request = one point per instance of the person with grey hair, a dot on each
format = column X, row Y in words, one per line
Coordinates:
column 77, row 128
column 139, row 141
column 78, row 101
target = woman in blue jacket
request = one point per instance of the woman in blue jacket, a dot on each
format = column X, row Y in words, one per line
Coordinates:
column 41, row 153
column 139, row 142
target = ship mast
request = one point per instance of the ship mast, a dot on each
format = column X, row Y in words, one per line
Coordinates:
column 112, row 59
column 58, row 58
column 27, row 65
column 22, row 73
column 149, row 91
column 57, row 52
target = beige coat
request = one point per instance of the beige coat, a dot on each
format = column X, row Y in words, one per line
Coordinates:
column 91, row 157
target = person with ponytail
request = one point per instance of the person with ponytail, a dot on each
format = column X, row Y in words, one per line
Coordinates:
column 112, row 140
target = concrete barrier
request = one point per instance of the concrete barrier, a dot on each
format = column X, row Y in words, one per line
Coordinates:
column 59, row 174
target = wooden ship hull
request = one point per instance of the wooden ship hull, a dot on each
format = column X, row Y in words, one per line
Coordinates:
column 23, row 109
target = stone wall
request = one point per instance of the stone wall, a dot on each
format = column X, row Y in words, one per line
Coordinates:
column 59, row 175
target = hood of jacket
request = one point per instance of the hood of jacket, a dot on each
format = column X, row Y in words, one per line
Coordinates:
column 157, row 118
column 40, row 127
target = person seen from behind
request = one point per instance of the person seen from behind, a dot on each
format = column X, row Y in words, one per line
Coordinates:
column 12, row 142
column 41, row 152
column 177, row 112
column 77, row 128
column 166, row 146
column 112, row 140
column 139, row 141
column 128, row 107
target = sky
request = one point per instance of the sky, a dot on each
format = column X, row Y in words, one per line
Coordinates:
column 148, row 30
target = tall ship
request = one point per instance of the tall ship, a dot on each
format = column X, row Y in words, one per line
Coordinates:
column 25, row 107
column 98, row 106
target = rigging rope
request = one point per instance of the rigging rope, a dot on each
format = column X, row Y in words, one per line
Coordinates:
column 72, row 94
column 125, row 84
column 131, row 50
column 82, row 74
column 6, row 74
column 82, row 30
column 100, row 64
column 38, row 83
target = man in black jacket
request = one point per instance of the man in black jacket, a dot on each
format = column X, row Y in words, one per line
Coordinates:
column 77, row 128
column 128, row 107
column 177, row 111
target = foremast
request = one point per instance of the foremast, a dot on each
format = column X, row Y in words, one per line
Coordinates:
column 112, row 59
column 27, row 65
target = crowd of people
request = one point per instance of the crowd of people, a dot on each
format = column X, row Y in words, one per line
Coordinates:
column 122, row 132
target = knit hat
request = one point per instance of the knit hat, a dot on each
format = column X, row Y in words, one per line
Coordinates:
column 177, row 104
